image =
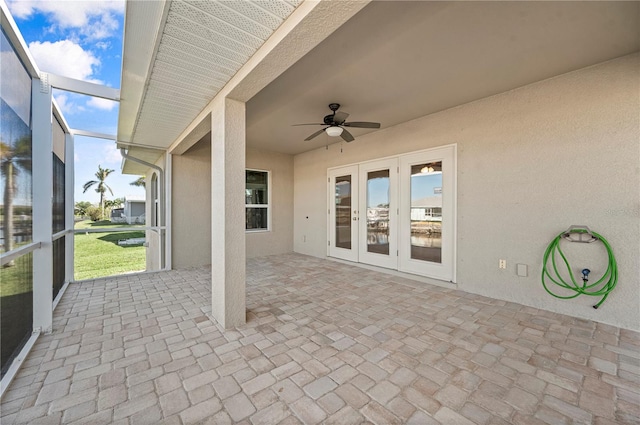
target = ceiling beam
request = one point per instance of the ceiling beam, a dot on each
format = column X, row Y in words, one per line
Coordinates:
column 81, row 87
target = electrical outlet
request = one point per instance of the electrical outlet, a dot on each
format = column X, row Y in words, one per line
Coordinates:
column 502, row 264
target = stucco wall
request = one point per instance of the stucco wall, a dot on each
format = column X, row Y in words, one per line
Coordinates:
column 191, row 206
column 531, row 162
column 280, row 239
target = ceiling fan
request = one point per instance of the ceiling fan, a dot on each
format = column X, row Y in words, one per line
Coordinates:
column 336, row 123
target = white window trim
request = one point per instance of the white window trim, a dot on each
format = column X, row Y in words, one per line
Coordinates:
column 266, row 206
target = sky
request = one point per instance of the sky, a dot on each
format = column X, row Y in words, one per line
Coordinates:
column 81, row 40
column 422, row 186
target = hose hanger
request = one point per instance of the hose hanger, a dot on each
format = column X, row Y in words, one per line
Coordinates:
column 601, row 288
column 581, row 234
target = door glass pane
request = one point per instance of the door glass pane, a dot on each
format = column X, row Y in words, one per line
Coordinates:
column 426, row 212
column 343, row 212
column 378, row 212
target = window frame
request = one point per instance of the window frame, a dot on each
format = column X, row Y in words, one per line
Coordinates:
column 266, row 206
column 155, row 199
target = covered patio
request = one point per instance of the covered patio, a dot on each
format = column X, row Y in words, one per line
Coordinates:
column 270, row 297
column 324, row 342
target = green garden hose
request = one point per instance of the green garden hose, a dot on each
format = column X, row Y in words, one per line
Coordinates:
column 608, row 279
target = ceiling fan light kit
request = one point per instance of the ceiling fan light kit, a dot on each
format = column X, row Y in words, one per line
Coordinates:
column 334, row 131
column 336, row 123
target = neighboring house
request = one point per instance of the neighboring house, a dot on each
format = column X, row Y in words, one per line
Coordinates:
column 117, row 215
column 427, row 209
column 134, row 210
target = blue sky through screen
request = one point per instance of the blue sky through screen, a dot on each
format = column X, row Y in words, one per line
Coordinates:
column 81, row 40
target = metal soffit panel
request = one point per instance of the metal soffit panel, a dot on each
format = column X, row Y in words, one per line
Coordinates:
column 202, row 46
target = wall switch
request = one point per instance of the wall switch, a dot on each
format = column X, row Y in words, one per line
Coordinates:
column 502, row 264
column 522, row 270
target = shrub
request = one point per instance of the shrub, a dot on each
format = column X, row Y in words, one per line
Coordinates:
column 94, row 213
column 81, row 208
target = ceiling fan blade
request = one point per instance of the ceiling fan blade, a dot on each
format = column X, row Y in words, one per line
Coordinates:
column 339, row 117
column 347, row 136
column 362, row 124
column 317, row 133
column 315, row 123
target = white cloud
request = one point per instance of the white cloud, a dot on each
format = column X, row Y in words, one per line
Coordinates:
column 104, row 27
column 102, row 45
column 69, row 103
column 66, row 58
column 111, row 154
column 104, row 104
column 63, row 103
column 93, row 18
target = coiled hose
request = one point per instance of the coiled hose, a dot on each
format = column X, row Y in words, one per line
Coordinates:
column 608, row 279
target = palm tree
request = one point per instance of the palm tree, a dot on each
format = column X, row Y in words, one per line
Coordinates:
column 113, row 203
column 12, row 159
column 101, row 176
column 139, row 182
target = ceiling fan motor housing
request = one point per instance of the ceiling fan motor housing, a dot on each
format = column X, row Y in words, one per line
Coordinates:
column 328, row 119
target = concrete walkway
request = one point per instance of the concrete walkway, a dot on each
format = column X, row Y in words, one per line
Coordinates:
column 324, row 343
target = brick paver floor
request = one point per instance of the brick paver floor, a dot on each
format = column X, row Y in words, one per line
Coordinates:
column 325, row 342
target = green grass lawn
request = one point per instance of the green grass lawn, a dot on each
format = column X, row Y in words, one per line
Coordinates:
column 14, row 278
column 99, row 255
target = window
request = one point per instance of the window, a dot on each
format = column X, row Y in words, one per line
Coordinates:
column 257, row 200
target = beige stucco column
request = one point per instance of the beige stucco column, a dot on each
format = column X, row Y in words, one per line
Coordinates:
column 228, row 268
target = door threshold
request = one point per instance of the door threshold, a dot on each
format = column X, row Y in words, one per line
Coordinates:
column 418, row 278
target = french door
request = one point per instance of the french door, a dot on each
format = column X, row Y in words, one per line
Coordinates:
column 378, row 199
column 343, row 213
column 427, row 213
column 397, row 213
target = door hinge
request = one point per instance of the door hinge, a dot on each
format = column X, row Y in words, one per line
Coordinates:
column 328, row 243
column 329, row 212
column 328, row 179
column 397, row 211
column 398, row 170
column 397, row 253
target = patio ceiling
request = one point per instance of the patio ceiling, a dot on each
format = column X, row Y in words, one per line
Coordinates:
column 392, row 62
column 397, row 61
